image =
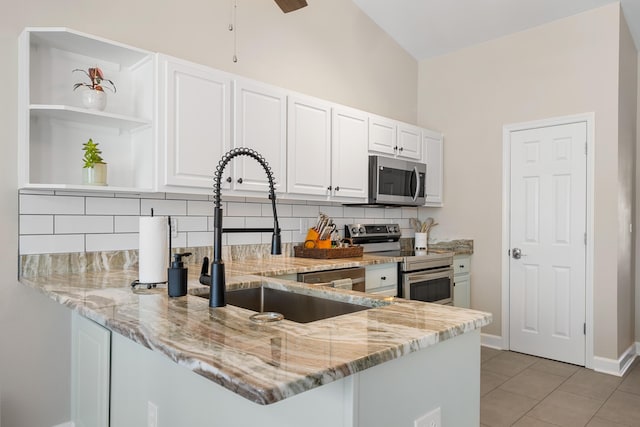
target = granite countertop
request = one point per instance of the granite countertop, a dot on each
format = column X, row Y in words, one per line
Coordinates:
column 264, row 363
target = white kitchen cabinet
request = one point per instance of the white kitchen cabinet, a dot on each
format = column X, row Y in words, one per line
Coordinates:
column 53, row 123
column 394, row 138
column 434, row 151
column 409, row 142
column 260, row 123
column 382, row 135
column 308, row 146
column 349, row 161
column 382, row 279
column 195, row 123
column 90, row 372
column 462, row 281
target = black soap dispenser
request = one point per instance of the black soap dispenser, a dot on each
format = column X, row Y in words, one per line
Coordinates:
column 178, row 276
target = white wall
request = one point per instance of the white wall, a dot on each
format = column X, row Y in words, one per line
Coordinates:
column 566, row 67
column 329, row 49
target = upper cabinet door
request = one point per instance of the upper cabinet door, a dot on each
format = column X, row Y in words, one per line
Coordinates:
column 261, row 124
column 195, row 107
column 434, row 151
column 409, row 142
column 382, row 135
column 349, row 153
column 309, row 146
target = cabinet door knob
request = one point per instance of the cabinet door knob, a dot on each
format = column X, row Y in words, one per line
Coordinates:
column 228, row 179
column 401, row 148
column 329, row 188
column 395, row 148
column 337, row 188
column 461, row 266
column 383, row 278
column 239, row 180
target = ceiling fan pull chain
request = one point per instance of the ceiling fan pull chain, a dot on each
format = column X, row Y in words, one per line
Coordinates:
column 233, row 27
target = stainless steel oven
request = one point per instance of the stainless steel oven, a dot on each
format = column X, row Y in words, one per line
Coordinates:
column 423, row 276
column 430, row 285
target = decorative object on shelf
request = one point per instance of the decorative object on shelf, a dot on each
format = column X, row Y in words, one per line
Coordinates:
column 94, row 97
column 94, row 171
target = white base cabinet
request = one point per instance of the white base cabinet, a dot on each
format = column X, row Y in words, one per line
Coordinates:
column 90, row 373
column 382, row 279
column 462, row 281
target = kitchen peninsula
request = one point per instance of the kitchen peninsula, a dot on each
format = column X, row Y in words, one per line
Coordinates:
column 387, row 365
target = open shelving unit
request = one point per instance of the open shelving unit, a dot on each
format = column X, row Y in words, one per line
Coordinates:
column 54, row 124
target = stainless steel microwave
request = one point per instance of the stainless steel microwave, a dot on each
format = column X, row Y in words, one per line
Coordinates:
column 396, row 182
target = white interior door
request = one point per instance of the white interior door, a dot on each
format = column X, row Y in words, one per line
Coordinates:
column 547, row 232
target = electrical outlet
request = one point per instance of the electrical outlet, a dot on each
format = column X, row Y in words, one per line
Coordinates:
column 152, row 414
column 174, row 228
column 431, row 419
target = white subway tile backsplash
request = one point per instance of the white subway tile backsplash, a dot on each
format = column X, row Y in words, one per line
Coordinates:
column 163, row 207
column 112, row 206
column 197, row 238
column 354, row 211
column 51, row 244
column 36, row 224
column 260, row 221
column 305, row 211
column 77, row 224
column 283, row 210
column 36, row 204
column 111, row 242
column 196, row 207
column 243, row 209
column 192, row 223
column 127, row 224
column 244, row 238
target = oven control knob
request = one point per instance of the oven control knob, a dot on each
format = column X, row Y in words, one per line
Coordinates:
column 354, row 230
column 361, row 230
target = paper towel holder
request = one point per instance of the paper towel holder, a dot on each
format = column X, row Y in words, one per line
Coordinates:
column 150, row 285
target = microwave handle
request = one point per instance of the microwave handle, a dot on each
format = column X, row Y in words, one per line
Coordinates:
column 417, row 175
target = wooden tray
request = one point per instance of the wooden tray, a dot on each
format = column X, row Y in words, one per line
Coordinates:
column 349, row 252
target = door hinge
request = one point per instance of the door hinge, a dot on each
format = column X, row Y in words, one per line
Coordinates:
column 584, row 328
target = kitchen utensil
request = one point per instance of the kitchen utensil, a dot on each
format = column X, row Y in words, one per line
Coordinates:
column 416, row 224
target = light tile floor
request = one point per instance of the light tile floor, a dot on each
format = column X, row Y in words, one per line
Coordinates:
column 527, row 391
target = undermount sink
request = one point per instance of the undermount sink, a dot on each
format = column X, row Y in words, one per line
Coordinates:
column 293, row 306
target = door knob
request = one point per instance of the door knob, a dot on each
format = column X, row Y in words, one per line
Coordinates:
column 516, row 253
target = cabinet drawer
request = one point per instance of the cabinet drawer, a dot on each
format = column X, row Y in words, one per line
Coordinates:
column 461, row 264
column 381, row 276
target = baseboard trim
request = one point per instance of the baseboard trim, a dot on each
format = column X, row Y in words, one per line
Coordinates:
column 492, row 341
column 618, row 366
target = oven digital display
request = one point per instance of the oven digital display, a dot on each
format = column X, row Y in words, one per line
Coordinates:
column 376, row 229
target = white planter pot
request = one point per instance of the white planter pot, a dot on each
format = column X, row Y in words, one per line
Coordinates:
column 97, row 175
column 94, row 99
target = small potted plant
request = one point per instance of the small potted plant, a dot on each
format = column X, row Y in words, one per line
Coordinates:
column 94, row 171
column 94, row 97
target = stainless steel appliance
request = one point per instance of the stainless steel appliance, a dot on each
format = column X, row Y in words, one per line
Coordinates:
column 422, row 275
column 346, row 278
column 395, row 182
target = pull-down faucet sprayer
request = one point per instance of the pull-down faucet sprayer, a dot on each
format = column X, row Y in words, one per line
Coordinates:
column 217, row 281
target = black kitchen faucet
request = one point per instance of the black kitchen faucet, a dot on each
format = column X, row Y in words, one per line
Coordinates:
column 216, row 280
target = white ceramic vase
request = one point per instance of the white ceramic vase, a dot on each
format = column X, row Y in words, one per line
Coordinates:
column 97, row 175
column 94, row 99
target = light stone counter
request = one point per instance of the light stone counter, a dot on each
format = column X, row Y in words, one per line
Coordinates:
column 249, row 359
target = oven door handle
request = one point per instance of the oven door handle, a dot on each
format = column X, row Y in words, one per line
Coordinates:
column 430, row 276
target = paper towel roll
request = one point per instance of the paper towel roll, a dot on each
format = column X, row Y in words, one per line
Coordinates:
column 153, row 250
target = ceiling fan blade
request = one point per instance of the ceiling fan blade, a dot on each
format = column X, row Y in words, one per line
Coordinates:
column 291, row 5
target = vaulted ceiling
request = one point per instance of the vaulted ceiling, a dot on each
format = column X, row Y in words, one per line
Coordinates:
column 427, row 28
